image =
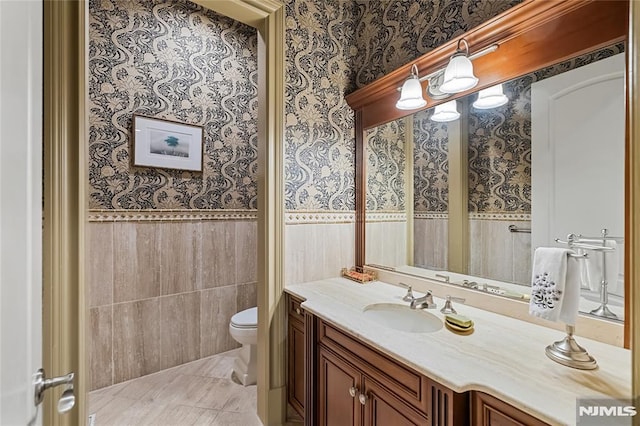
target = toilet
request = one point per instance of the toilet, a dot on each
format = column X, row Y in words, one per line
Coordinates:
column 244, row 329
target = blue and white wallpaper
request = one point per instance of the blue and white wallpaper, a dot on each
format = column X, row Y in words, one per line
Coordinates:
column 173, row 60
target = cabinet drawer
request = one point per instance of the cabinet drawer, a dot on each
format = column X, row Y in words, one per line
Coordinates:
column 295, row 311
column 399, row 380
column 490, row 411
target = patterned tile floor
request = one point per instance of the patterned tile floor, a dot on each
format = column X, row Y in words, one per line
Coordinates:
column 199, row 393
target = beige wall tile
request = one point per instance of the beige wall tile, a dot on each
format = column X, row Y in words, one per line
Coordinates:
column 339, row 243
column 247, row 296
column 136, row 261
column 293, row 254
column 136, row 339
column 180, row 325
column 100, row 263
column 218, row 253
column 430, row 243
column 522, row 255
column 217, row 307
column 179, row 256
column 246, row 252
column 100, row 348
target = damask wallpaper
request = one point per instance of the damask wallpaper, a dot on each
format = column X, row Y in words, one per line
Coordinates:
column 430, row 164
column 393, row 33
column 320, row 145
column 174, row 60
column 386, row 162
column 334, row 46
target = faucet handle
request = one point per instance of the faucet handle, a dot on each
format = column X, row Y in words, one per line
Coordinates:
column 409, row 296
column 448, row 306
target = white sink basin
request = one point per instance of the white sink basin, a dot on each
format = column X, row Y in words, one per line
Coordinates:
column 403, row 318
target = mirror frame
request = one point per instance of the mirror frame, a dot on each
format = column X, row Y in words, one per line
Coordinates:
column 532, row 35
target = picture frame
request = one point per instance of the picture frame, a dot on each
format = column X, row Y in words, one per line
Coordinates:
column 167, row 144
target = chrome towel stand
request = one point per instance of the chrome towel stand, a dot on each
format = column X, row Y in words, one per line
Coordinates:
column 578, row 241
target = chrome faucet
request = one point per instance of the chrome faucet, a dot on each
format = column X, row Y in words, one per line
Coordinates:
column 425, row 301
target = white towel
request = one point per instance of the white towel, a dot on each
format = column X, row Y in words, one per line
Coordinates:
column 591, row 268
column 555, row 285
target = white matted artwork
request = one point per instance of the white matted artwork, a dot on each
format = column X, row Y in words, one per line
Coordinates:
column 167, row 144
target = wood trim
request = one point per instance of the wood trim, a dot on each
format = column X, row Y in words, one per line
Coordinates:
column 458, row 223
column 361, row 191
column 65, row 167
column 310, row 370
column 249, row 12
column 532, row 35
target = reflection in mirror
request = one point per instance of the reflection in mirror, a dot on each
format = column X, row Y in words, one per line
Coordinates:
column 387, row 193
column 499, row 171
column 431, row 191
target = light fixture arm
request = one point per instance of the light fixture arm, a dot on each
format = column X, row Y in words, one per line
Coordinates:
column 466, row 48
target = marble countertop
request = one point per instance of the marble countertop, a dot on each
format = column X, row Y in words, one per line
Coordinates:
column 504, row 357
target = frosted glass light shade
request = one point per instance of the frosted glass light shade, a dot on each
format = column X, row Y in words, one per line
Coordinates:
column 447, row 111
column 411, row 95
column 458, row 76
column 492, row 97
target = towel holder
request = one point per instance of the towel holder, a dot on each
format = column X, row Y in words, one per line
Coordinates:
column 568, row 352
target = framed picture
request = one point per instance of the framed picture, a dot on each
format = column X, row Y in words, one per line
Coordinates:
column 167, row 144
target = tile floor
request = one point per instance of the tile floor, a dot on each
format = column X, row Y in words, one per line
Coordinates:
column 198, row 393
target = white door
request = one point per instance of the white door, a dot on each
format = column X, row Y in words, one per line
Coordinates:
column 578, row 149
column 20, row 208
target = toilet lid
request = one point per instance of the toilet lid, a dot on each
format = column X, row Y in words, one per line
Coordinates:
column 245, row 319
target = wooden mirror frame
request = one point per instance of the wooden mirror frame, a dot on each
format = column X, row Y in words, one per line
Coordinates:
column 532, row 35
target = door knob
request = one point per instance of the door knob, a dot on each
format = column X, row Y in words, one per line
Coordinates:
column 41, row 383
column 353, row 391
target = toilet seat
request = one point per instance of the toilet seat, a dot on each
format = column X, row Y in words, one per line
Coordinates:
column 245, row 319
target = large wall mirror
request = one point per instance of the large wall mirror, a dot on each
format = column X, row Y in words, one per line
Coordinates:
column 577, row 186
column 467, row 201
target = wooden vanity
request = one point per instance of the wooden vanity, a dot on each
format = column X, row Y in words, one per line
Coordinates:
column 344, row 368
column 351, row 383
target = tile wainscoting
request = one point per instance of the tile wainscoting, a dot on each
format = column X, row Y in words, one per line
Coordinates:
column 162, row 287
column 496, row 252
column 386, row 239
column 431, row 240
column 318, row 244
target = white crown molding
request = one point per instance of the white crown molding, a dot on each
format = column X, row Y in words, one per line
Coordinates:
column 169, row 215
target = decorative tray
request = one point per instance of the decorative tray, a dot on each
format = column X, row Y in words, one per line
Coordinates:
column 359, row 275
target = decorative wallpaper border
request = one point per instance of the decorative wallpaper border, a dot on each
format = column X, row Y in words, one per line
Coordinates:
column 300, row 217
column 431, row 216
column 510, row 217
column 372, row 217
column 170, row 215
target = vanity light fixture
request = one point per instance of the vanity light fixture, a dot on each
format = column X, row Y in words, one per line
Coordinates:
column 447, row 111
column 411, row 94
column 491, row 97
column 458, row 76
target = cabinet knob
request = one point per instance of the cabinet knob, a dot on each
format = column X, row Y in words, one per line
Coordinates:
column 363, row 398
column 298, row 311
column 353, row 391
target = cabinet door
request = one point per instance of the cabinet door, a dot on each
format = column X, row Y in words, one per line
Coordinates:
column 490, row 411
column 381, row 408
column 339, row 386
column 296, row 366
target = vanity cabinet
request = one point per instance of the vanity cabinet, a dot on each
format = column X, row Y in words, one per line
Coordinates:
column 490, row 411
column 358, row 385
column 296, row 365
